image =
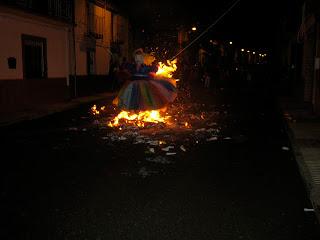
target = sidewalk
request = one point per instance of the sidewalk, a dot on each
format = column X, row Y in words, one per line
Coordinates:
column 303, row 129
column 42, row 110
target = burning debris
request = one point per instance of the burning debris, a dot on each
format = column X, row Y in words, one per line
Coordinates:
column 164, row 133
column 175, row 132
column 138, row 119
column 95, row 111
column 164, row 140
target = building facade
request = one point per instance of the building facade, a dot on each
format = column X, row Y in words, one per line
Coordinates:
column 101, row 36
column 35, row 52
column 53, row 50
column 300, row 52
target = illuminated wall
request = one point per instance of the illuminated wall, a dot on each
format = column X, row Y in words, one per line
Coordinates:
column 14, row 24
column 93, row 32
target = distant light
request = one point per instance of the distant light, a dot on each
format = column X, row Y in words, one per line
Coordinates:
column 230, row 43
column 194, row 29
column 242, row 50
column 253, row 52
column 260, row 54
column 248, row 51
column 211, row 41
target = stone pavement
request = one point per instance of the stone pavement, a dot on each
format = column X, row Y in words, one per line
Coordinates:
column 303, row 130
column 42, row 110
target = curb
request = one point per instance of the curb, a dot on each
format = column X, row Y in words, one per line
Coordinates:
column 313, row 193
column 54, row 108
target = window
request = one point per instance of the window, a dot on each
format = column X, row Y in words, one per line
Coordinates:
column 91, row 59
column 34, row 56
column 61, row 9
column 95, row 23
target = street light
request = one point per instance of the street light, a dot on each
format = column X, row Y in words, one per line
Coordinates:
column 242, row 49
column 230, row 43
column 194, row 29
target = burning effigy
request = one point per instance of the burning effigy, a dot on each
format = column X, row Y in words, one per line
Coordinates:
column 164, row 134
column 145, row 96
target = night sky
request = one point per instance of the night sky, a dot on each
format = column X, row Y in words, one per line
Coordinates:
column 251, row 22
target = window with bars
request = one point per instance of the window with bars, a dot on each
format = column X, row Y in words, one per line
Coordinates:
column 61, row 9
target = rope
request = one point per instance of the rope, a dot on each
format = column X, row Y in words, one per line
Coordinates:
column 207, row 29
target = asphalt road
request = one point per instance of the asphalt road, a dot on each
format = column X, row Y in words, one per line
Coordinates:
column 231, row 176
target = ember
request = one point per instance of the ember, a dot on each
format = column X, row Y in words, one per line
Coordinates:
column 95, row 111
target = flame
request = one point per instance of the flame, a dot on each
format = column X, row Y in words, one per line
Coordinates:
column 138, row 119
column 167, row 70
column 95, row 110
column 148, row 59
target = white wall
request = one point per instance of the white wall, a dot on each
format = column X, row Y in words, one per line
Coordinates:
column 12, row 27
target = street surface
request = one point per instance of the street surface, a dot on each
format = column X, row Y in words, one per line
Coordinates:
column 226, row 174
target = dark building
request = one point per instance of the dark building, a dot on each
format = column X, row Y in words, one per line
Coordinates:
column 299, row 52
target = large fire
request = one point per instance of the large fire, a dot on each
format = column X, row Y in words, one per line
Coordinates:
column 141, row 118
column 138, row 119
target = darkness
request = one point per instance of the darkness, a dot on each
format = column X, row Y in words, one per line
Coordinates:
column 253, row 23
column 223, row 167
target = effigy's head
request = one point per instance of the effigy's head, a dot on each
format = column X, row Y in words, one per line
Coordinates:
column 138, row 56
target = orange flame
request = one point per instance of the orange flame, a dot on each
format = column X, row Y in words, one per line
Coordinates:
column 167, row 70
column 138, row 119
column 95, row 111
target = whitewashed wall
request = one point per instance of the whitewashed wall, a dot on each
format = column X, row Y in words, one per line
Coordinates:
column 57, row 38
